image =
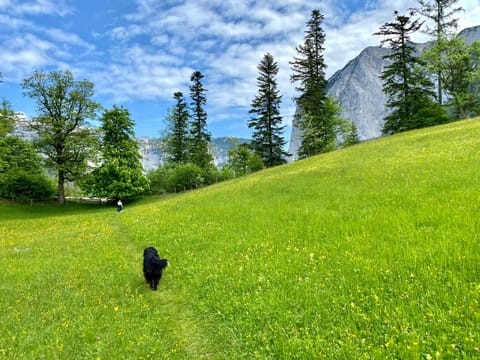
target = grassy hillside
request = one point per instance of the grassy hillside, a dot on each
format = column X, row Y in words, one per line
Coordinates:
column 366, row 253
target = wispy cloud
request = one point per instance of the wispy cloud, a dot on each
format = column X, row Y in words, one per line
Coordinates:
column 149, row 50
column 36, row 7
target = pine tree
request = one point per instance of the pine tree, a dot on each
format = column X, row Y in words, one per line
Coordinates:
column 267, row 138
column 176, row 137
column 309, row 73
column 441, row 13
column 408, row 87
column 200, row 136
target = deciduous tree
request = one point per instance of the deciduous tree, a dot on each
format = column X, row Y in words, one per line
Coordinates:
column 22, row 175
column 441, row 12
column 120, row 174
column 458, row 66
column 241, row 160
column 7, row 120
column 64, row 106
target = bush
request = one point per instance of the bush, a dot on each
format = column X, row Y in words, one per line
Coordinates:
column 160, row 179
column 186, row 177
column 23, row 186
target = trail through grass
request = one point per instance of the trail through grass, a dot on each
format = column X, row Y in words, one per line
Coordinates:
column 72, row 287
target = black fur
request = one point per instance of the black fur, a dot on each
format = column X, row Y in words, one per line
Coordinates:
column 153, row 266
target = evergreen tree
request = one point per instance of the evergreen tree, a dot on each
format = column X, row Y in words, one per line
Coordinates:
column 309, row 73
column 176, row 137
column 199, row 135
column 120, row 174
column 267, row 138
column 64, row 136
column 441, row 12
column 408, row 87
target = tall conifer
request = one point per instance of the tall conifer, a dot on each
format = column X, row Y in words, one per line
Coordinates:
column 200, row 136
column 267, row 138
column 409, row 89
column 309, row 74
column 176, row 138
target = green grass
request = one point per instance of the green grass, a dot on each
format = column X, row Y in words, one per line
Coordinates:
column 371, row 252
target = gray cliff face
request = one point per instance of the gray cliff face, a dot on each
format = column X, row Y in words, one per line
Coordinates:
column 153, row 156
column 150, row 152
column 359, row 90
column 471, row 34
column 22, row 127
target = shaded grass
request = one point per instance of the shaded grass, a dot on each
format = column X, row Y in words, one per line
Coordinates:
column 369, row 252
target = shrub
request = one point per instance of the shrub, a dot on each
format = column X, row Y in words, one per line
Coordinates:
column 22, row 186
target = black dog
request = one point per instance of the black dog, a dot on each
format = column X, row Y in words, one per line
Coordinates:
column 153, row 266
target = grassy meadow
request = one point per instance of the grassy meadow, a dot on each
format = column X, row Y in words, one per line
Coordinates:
column 371, row 252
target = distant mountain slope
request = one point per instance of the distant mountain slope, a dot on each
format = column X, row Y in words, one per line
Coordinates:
column 150, row 149
column 359, row 90
column 153, row 156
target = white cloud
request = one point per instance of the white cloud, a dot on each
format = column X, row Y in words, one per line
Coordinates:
column 151, row 52
column 36, row 7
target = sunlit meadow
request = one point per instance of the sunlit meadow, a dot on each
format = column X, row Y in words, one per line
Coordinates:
column 371, row 252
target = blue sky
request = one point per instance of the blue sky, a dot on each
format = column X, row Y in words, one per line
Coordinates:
column 139, row 52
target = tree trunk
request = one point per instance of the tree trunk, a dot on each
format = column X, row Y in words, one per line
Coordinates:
column 61, row 187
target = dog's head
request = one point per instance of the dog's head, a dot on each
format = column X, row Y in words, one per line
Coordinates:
column 150, row 252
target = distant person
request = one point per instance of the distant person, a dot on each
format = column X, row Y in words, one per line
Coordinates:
column 119, row 205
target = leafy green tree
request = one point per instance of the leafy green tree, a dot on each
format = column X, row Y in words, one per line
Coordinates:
column 120, row 174
column 160, row 179
column 309, row 73
column 458, row 67
column 186, row 177
column 176, row 139
column 64, row 107
column 6, row 116
column 267, row 138
column 7, row 120
column 408, row 87
column 441, row 12
column 242, row 161
column 351, row 136
column 22, row 185
column 346, row 131
column 199, row 134
column 21, row 173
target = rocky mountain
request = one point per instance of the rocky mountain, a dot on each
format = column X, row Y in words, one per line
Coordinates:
column 153, row 156
column 358, row 88
column 150, row 149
